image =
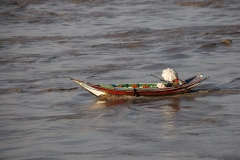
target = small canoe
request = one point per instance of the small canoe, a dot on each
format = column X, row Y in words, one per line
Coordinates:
column 140, row 89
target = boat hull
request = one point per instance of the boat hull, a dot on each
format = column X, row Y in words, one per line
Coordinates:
column 100, row 90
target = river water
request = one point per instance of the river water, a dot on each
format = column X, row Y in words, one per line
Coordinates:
column 44, row 115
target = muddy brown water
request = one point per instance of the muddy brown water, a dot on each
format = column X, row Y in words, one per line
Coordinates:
column 44, row 115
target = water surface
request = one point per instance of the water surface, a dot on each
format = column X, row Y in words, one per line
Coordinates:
column 44, row 115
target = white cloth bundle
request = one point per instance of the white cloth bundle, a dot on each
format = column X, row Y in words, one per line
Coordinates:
column 160, row 85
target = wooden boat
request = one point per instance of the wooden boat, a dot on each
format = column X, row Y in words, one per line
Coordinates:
column 140, row 89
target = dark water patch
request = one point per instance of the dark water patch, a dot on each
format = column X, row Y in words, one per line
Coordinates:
column 74, row 53
column 207, row 36
column 153, row 67
column 138, row 136
column 232, row 156
column 98, row 154
column 6, row 42
column 229, row 115
column 58, row 89
column 204, row 3
column 10, row 90
column 7, row 14
column 22, row 2
column 133, row 38
column 128, row 59
column 39, row 158
column 90, row 70
column 155, row 36
column 203, row 120
column 59, row 105
column 213, row 121
column 235, row 80
column 65, row 117
column 188, row 36
column 99, row 15
column 136, row 3
column 51, row 58
column 175, row 50
column 119, row 45
column 52, row 118
column 15, row 132
column 33, row 16
column 75, row 72
column 217, row 107
column 132, row 33
column 223, row 30
column 211, row 45
column 22, row 80
column 95, row 2
column 234, row 84
column 23, row 58
column 217, row 91
column 179, row 56
column 35, row 86
column 25, row 40
column 150, row 36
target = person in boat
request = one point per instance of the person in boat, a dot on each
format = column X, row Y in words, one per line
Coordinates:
column 171, row 79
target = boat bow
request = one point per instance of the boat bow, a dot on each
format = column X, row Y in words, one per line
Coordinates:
column 89, row 87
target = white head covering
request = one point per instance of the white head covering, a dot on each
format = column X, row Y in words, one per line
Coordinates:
column 169, row 74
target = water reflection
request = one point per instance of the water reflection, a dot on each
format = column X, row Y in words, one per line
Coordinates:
column 158, row 115
column 99, row 104
column 174, row 103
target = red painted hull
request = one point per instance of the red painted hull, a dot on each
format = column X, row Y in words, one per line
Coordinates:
column 98, row 90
